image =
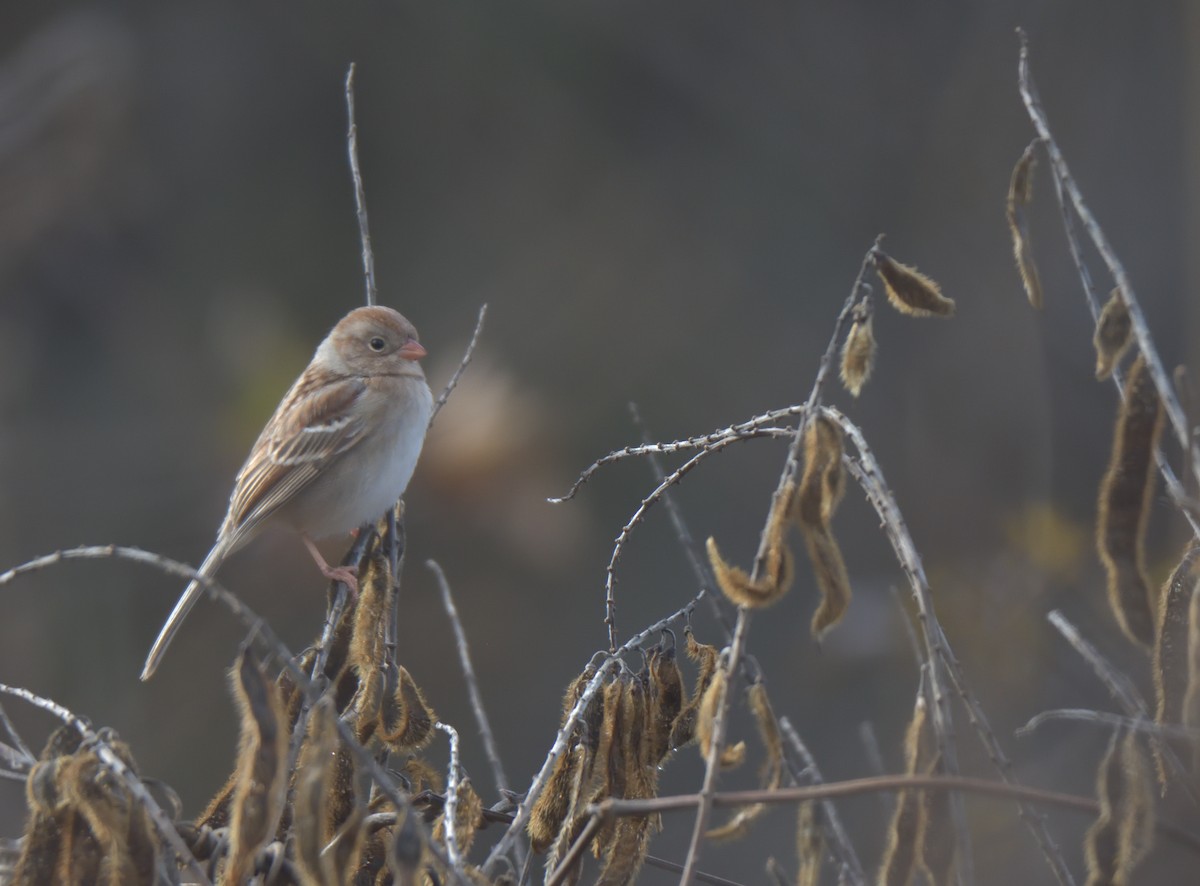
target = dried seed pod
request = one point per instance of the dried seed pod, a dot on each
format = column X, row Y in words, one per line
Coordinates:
column 407, row 716
column 666, row 701
column 1114, row 334
column 1191, row 697
column 770, row 773
column 1123, row 833
column 347, row 848
column 467, row 820
column 1020, row 195
column 405, row 851
column 550, row 810
column 823, row 482
column 906, row 835
column 705, row 656
column 910, row 291
column 834, row 582
column 117, row 821
column 810, row 844
column 1171, row 649
column 728, row 757
column 1126, row 493
column 371, row 612
column 311, row 818
column 778, row 565
column 262, row 767
column 858, row 350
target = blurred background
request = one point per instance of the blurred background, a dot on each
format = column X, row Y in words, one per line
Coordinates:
column 659, row 206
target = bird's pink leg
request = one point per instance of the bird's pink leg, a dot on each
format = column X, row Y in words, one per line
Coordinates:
column 347, row 575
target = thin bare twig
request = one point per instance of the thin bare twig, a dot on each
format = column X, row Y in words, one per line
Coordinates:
column 15, row 737
column 462, row 366
column 360, row 194
column 1108, row 721
column 450, row 814
column 133, row 784
column 842, row 847
column 615, row 808
column 572, row 855
column 1141, row 329
column 464, row 658
column 560, row 740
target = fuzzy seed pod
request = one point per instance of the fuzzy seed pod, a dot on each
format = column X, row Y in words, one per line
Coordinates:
column 1191, row 696
column 858, row 350
column 1114, row 334
column 261, row 772
column 909, row 291
column 665, row 701
column 1126, row 493
column 1171, row 650
column 1020, row 195
column 830, row 571
column 770, row 773
column 823, row 482
column 311, row 817
column 407, row 718
column 1123, row 833
column 705, row 657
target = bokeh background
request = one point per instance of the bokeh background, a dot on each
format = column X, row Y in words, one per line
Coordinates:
column 660, row 203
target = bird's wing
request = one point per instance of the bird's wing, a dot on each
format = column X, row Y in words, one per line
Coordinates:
column 315, row 424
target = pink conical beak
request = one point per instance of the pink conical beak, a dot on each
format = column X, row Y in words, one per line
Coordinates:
column 412, row 350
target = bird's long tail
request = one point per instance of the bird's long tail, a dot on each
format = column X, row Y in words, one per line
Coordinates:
column 193, row 593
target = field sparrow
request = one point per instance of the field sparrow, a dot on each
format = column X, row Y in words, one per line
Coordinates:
column 338, row 452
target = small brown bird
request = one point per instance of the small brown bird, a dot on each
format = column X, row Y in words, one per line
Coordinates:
column 339, row 450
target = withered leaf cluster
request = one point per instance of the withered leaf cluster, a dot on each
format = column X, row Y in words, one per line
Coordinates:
column 84, row 824
column 627, row 730
column 808, row 505
column 315, row 820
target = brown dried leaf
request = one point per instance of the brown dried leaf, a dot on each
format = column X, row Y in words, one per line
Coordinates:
column 1126, row 493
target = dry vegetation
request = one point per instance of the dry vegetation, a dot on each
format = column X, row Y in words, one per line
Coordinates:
column 331, row 784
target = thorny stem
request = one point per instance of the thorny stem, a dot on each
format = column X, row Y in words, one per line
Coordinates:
column 866, row 471
column 841, row 845
column 133, row 784
column 610, row 581
column 360, row 194
column 559, row 746
column 464, row 658
column 790, row 469
column 1141, row 329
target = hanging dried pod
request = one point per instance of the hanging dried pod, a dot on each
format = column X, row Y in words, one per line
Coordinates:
column 1123, row 833
column 1020, row 195
column 262, row 767
column 858, row 350
column 778, row 565
column 1114, row 334
column 771, row 771
column 1191, row 696
column 684, row 731
column 1126, row 493
column 906, row 835
column 1172, row 647
column 665, row 700
column 407, row 719
column 311, row 818
column 810, row 844
column 909, row 291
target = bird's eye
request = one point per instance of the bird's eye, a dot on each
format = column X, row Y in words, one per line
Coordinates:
column 376, row 343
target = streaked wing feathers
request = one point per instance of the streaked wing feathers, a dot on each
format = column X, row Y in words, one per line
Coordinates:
column 313, row 425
